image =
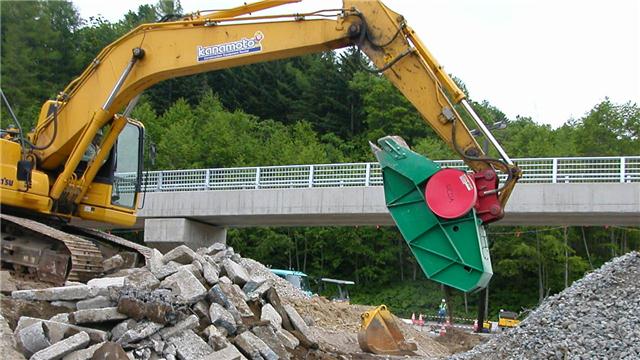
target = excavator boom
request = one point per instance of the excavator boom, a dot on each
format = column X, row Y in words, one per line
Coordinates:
column 440, row 213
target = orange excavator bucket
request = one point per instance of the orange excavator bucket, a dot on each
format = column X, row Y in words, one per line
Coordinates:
column 379, row 334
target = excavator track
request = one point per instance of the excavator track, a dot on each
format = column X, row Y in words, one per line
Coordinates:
column 86, row 258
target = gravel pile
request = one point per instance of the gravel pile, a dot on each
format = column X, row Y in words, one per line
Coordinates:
column 598, row 317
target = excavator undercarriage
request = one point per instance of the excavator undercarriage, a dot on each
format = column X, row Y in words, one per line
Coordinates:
column 56, row 253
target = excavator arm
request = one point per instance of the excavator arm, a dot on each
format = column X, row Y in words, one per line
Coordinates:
column 450, row 245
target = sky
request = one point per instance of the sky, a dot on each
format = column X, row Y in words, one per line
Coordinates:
column 550, row 60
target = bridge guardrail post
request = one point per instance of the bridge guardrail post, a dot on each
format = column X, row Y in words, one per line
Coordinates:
column 207, row 176
column 311, row 174
column 159, row 187
column 554, row 171
column 257, row 184
column 367, row 175
column 622, row 169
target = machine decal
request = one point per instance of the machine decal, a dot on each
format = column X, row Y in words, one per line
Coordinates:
column 233, row 48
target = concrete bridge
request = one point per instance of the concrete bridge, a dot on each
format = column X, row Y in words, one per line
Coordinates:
column 198, row 205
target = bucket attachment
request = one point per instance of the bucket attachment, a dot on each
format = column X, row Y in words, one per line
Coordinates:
column 379, row 334
column 452, row 248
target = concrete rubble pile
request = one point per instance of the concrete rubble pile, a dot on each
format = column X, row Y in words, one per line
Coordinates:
column 184, row 304
column 597, row 317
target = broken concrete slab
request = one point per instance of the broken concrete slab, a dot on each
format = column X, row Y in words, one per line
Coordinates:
column 229, row 352
column 185, row 286
column 7, row 284
column 110, row 351
column 216, row 248
column 261, row 290
column 113, row 264
column 190, row 346
column 236, row 297
column 142, row 330
column 210, row 271
column 154, row 306
column 7, row 342
column 62, row 317
column 73, row 292
column 267, row 334
column 71, row 305
column 253, row 347
column 90, row 316
column 100, row 286
column 188, row 323
column 296, row 320
column 32, row 339
column 220, row 317
column 217, row 338
column 159, row 269
column 253, row 283
column 122, row 328
column 63, row 347
column 236, row 272
column 201, row 308
column 98, row 302
column 141, row 279
column 57, row 331
column 181, row 254
column 288, row 340
column 271, row 315
column 83, row 354
column 225, row 280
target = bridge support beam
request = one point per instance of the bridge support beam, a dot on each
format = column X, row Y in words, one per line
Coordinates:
column 165, row 234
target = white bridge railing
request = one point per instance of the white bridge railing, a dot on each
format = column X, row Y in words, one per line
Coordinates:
column 620, row 169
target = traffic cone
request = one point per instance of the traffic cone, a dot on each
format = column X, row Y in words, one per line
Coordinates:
column 475, row 325
column 443, row 331
column 413, row 318
column 420, row 320
column 447, row 323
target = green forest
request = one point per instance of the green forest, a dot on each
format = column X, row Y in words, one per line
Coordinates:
column 323, row 108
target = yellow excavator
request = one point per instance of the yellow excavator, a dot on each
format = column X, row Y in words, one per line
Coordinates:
column 84, row 157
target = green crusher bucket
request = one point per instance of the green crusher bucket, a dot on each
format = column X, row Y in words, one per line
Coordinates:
column 453, row 252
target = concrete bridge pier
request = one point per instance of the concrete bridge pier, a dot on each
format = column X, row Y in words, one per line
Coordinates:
column 166, row 233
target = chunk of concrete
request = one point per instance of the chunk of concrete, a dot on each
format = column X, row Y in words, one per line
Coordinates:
column 32, row 339
column 91, row 316
column 230, row 352
column 225, row 280
column 62, row 317
column 122, row 328
column 63, row 347
column 83, row 354
column 159, row 269
column 57, row 331
column 216, row 248
column 297, row 321
column 74, row 292
column 237, row 298
column 190, row 346
column 236, row 272
column 188, row 323
column 110, row 351
column 71, row 305
column 260, row 290
column 253, row 283
column 220, row 317
column 210, row 271
column 98, row 302
column 100, row 286
column 288, row 340
column 141, row 279
column 253, row 347
column 7, row 284
column 181, row 254
column 185, row 286
column 142, row 330
column 201, row 308
column 217, row 338
column 271, row 315
column 113, row 264
column 269, row 337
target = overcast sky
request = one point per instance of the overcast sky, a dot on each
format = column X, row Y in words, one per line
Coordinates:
column 549, row 59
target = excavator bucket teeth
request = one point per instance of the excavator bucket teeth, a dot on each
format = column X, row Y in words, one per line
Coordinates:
column 379, row 334
column 453, row 252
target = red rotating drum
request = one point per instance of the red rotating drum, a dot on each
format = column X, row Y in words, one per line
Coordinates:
column 450, row 193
